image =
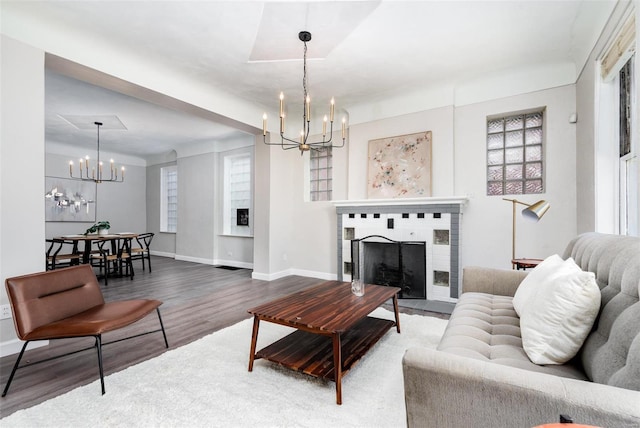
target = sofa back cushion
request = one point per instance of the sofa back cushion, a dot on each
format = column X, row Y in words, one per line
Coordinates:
column 611, row 352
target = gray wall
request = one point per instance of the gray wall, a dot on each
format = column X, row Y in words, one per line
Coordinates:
column 122, row 204
column 196, row 208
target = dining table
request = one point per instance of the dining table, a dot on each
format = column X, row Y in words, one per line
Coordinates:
column 89, row 239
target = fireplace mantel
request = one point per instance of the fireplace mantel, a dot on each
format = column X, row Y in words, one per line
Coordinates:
column 409, row 219
column 436, row 200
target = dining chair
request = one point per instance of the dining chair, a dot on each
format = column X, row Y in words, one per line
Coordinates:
column 112, row 257
column 57, row 258
column 143, row 250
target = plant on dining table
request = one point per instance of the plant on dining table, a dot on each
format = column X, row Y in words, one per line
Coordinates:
column 96, row 228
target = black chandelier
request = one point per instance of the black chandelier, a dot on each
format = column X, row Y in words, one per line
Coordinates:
column 96, row 175
column 302, row 143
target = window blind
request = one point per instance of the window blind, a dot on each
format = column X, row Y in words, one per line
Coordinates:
column 621, row 50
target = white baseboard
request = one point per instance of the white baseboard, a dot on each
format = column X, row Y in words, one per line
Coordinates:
column 234, row 263
column 163, row 254
column 194, row 259
column 271, row 276
column 215, row 262
column 313, row 274
column 288, row 272
column 14, row 346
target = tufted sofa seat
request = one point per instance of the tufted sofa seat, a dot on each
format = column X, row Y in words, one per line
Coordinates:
column 480, row 374
column 487, row 328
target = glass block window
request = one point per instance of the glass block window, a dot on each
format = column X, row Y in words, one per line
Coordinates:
column 514, row 154
column 320, row 172
column 169, row 199
column 237, row 193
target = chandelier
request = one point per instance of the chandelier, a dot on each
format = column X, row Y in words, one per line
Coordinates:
column 96, row 176
column 302, row 143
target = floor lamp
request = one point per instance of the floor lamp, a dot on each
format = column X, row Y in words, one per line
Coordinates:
column 532, row 212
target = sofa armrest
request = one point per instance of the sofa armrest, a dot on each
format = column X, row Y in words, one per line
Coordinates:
column 493, row 281
column 447, row 390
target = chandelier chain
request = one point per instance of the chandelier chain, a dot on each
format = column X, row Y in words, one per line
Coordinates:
column 304, row 88
column 327, row 124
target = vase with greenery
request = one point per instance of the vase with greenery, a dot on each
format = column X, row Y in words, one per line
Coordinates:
column 100, row 228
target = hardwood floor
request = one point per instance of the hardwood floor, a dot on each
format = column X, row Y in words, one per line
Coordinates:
column 198, row 300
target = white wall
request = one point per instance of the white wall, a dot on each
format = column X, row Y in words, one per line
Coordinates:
column 438, row 120
column 22, row 233
column 486, row 222
column 306, row 235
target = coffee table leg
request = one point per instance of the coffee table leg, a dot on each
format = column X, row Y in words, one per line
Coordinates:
column 254, row 339
column 395, row 309
column 337, row 366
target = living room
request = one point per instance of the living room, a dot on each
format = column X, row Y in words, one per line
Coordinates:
column 290, row 234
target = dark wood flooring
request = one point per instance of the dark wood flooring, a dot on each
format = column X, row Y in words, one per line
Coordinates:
column 198, row 300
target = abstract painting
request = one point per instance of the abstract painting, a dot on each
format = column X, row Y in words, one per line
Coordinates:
column 69, row 200
column 400, row 167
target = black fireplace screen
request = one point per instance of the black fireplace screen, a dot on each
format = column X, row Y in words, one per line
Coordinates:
column 383, row 261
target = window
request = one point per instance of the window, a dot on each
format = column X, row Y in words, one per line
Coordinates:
column 320, row 174
column 628, row 171
column 617, row 163
column 169, row 199
column 514, row 154
column 237, row 195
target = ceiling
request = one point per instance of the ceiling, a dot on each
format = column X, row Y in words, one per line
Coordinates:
column 361, row 51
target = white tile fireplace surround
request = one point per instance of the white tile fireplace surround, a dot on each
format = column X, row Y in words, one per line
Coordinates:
column 435, row 221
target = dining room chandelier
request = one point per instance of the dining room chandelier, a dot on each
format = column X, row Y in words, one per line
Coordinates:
column 88, row 171
column 302, row 142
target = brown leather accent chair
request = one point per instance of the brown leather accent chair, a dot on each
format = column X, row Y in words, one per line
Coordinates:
column 67, row 303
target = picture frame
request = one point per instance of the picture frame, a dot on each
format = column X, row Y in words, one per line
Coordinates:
column 242, row 217
column 69, row 200
column 400, row 166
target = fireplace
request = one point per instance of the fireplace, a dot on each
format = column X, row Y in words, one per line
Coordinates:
column 379, row 260
column 430, row 229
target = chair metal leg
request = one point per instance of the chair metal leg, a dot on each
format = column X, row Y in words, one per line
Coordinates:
column 15, row 367
column 166, row 343
column 99, row 349
column 130, row 266
column 148, row 260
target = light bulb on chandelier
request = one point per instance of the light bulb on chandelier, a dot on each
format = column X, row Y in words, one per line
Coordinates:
column 304, row 145
column 96, row 176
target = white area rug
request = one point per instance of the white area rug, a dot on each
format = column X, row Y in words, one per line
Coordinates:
column 206, row 384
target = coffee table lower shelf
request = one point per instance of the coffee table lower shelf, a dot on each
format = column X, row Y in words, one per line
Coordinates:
column 312, row 353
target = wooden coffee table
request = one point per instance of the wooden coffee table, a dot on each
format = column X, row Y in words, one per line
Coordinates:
column 333, row 330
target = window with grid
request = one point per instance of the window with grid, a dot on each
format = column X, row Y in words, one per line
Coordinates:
column 628, row 166
column 169, row 199
column 514, row 154
column 320, row 165
column 237, row 193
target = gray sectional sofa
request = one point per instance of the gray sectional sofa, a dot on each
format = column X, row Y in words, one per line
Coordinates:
column 480, row 375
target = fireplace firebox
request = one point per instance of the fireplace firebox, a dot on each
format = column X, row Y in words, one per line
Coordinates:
column 380, row 260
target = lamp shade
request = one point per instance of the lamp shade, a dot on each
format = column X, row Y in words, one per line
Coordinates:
column 535, row 211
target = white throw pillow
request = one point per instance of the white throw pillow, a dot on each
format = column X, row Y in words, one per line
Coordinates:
column 529, row 286
column 560, row 316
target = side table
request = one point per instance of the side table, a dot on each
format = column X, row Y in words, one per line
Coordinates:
column 524, row 263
